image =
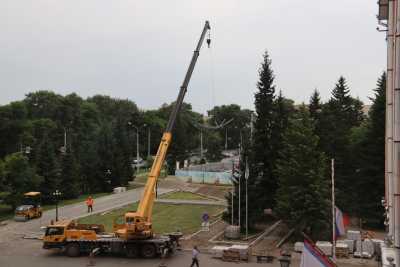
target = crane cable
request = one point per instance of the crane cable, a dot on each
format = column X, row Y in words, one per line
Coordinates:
column 212, row 79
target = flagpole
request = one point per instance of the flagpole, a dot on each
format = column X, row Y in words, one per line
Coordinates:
column 333, row 211
column 233, row 188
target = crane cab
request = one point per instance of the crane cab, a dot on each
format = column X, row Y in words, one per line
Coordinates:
column 30, row 208
column 133, row 226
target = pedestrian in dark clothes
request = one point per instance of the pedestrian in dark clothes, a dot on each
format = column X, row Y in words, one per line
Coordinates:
column 195, row 257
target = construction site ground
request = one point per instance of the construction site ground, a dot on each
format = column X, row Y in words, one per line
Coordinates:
column 18, row 251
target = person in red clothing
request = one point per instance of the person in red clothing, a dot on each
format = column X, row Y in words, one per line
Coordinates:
column 89, row 203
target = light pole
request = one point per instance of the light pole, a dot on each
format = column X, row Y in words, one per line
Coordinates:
column 246, row 176
column 56, row 195
column 240, row 181
column 108, row 176
column 148, row 141
column 201, row 144
column 226, row 138
column 137, row 144
column 251, row 126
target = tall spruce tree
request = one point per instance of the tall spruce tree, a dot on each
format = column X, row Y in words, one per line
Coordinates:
column 338, row 117
column 303, row 186
column 370, row 154
column 315, row 108
column 271, row 121
column 315, row 105
column 263, row 161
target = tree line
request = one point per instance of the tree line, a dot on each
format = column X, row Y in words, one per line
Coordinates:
column 289, row 157
column 100, row 143
column 288, row 150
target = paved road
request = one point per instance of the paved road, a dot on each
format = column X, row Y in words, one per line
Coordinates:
column 71, row 212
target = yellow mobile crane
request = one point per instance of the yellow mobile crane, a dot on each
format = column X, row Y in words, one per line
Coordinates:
column 135, row 236
column 138, row 224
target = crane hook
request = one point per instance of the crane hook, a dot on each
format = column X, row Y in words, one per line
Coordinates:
column 208, row 40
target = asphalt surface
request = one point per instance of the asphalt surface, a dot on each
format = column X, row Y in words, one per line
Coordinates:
column 14, row 248
column 75, row 211
column 15, row 251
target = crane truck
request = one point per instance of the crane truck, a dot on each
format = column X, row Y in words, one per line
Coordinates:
column 134, row 237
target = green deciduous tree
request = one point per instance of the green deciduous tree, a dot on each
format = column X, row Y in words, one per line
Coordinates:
column 49, row 168
column 19, row 178
column 214, row 147
column 70, row 182
column 240, row 122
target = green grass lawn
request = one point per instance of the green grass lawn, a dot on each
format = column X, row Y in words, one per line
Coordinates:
column 166, row 217
column 184, row 195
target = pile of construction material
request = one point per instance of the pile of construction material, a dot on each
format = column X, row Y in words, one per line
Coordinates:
column 231, row 253
column 342, row 250
column 298, row 247
column 364, row 248
column 353, row 244
column 325, row 247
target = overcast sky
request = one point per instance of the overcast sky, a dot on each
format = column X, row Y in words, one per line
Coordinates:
column 140, row 49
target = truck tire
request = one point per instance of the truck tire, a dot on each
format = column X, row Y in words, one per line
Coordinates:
column 72, row 250
column 148, row 251
column 132, row 251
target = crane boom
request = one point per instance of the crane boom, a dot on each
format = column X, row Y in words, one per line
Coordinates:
column 138, row 224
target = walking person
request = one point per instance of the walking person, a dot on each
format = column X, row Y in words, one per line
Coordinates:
column 89, row 203
column 195, row 257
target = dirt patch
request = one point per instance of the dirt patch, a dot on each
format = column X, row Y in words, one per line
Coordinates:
column 267, row 245
column 214, row 190
column 201, row 239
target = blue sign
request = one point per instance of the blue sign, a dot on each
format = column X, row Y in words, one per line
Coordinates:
column 205, row 217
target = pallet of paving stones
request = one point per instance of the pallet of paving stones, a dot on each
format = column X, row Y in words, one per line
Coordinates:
column 231, row 256
column 342, row 250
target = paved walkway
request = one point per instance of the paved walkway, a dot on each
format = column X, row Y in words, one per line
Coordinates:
column 192, row 202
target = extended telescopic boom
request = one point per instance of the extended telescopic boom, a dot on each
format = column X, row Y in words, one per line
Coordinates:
column 144, row 211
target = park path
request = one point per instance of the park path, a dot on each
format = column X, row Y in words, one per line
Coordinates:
column 192, row 202
column 73, row 211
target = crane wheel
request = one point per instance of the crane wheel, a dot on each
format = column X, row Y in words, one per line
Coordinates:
column 132, row 251
column 148, row 251
column 72, row 250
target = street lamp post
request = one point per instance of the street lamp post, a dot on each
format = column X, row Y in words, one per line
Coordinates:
column 201, row 144
column 148, row 141
column 108, row 178
column 137, row 144
column 56, row 195
column 226, row 138
column 246, row 177
column 240, row 204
